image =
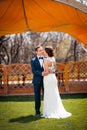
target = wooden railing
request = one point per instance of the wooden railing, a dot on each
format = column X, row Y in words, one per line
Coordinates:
column 16, row 79
column 72, row 77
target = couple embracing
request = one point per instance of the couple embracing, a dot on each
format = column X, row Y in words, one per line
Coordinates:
column 43, row 68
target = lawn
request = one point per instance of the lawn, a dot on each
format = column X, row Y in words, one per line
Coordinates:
column 17, row 113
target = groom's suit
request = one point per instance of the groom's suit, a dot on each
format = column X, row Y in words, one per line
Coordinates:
column 37, row 81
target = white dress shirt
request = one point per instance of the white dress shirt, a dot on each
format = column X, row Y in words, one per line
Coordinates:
column 41, row 61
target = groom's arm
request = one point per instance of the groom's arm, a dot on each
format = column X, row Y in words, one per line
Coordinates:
column 34, row 70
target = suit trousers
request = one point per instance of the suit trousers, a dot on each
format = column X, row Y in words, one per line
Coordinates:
column 37, row 92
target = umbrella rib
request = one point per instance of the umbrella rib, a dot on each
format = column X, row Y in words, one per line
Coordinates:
column 25, row 14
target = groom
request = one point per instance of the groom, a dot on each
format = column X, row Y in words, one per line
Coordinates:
column 38, row 73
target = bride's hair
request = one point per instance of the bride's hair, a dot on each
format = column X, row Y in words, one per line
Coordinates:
column 49, row 51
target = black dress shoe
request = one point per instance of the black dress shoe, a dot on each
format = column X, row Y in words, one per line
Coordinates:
column 38, row 114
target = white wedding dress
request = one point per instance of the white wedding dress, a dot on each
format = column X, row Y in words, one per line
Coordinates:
column 53, row 107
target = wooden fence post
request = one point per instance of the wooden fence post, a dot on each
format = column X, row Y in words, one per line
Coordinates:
column 66, row 78
column 5, row 80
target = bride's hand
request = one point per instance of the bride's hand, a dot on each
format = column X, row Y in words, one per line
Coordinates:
column 50, row 71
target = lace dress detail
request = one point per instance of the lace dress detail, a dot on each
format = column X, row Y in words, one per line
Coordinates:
column 53, row 107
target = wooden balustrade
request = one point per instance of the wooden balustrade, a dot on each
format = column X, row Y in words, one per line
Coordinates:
column 16, row 79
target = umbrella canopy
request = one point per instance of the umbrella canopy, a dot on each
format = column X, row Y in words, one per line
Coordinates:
column 18, row 16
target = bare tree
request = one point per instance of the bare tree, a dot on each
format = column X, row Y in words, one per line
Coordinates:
column 4, row 58
column 20, row 48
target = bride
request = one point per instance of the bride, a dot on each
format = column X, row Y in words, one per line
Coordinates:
column 52, row 107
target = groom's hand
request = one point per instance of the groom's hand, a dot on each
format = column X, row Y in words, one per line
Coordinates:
column 45, row 73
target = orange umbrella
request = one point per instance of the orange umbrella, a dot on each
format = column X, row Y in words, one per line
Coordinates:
column 18, row 16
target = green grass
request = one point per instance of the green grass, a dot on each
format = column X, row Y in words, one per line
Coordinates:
column 17, row 113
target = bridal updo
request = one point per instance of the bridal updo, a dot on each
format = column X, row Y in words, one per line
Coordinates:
column 49, row 51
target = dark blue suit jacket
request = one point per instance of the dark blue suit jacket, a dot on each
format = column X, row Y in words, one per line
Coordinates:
column 37, row 70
